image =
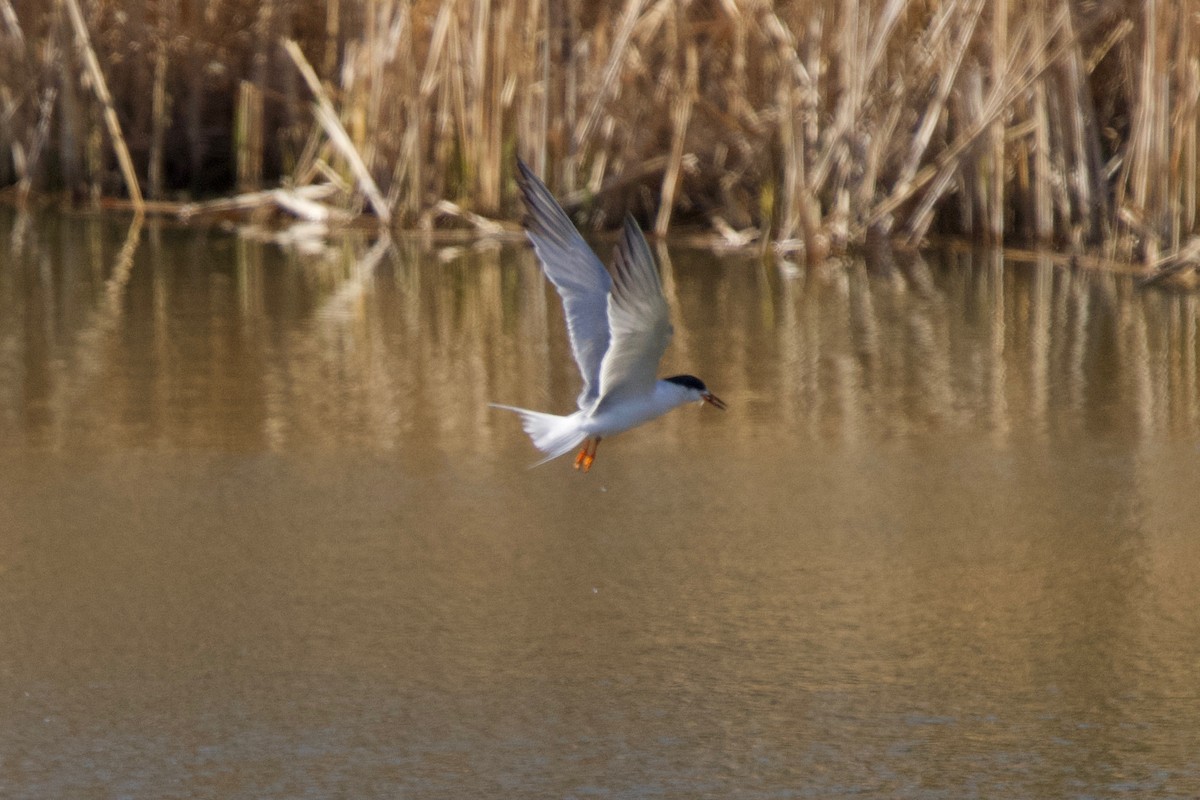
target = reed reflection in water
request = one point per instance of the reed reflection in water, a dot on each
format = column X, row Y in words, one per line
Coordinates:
column 261, row 536
column 208, row 340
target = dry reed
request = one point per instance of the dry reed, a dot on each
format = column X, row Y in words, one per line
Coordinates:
column 810, row 125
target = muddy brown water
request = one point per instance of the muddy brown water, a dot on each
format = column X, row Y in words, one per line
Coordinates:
column 261, row 536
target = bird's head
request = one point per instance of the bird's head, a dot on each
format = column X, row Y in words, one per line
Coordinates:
column 697, row 389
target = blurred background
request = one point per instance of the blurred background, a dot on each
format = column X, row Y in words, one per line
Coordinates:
column 812, row 125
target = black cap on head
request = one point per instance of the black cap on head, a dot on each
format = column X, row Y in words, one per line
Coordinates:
column 688, row 381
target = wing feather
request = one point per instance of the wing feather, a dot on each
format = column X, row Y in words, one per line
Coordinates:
column 580, row 278
column 638, row 318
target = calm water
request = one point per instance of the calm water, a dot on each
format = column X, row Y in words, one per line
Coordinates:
column 261, row 537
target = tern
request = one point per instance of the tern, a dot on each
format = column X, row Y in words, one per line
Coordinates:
column 619, row 325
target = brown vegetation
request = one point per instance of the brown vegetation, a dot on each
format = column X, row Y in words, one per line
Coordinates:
column 809, row 124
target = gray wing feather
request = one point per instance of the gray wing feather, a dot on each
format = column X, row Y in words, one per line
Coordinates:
column 639, row 320
column 577, row 274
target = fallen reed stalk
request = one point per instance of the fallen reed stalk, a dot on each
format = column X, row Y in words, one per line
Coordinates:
column 12, row 25
column 616, row 56
column 100, row 87
column 328, row 118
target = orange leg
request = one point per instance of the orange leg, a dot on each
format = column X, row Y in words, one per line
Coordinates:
column 587, row 455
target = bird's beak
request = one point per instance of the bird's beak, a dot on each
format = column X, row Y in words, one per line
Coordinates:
column 713, row 400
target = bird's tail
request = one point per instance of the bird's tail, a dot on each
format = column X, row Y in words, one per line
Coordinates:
column 552, row 434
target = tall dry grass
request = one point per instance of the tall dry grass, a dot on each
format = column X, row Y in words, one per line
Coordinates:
column 810, row 125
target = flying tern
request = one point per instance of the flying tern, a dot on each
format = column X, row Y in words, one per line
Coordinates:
column 619, row 326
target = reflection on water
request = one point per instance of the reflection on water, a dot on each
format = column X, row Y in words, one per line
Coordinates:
column 179, row 339
column 260, row 535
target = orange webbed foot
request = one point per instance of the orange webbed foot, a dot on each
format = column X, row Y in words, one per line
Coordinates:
column 587, row 456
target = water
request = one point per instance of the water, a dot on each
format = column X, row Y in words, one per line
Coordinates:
column 260, row 536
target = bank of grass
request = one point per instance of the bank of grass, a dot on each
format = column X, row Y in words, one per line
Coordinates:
column 809, row 125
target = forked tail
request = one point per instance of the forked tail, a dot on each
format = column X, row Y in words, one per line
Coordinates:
column 552, row 434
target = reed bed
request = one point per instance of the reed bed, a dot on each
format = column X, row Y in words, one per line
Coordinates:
column 806, row 126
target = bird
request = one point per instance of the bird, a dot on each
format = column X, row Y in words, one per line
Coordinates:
column 619, row 326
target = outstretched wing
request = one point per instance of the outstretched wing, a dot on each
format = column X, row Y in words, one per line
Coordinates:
column 581, row 280
column 638, row 318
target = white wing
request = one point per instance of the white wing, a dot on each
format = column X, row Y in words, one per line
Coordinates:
column 638, row 318
column 581, row 280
